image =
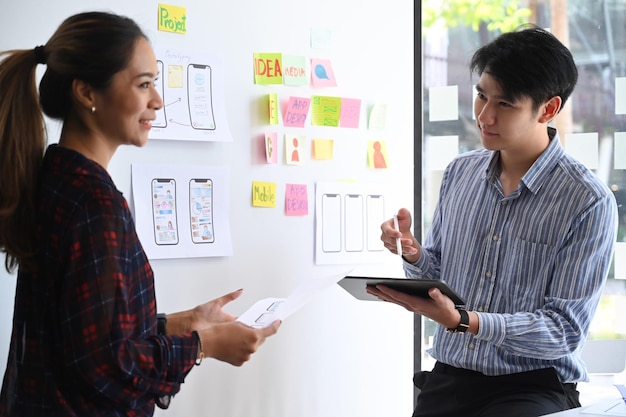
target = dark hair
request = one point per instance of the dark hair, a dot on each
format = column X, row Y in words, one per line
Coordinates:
column 91, row 47
column 529, row 62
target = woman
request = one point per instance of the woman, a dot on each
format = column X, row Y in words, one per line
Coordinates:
column 85, row 338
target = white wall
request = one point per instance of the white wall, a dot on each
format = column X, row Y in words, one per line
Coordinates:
column 336, row 357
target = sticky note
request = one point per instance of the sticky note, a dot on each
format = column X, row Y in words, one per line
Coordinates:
column 296, row 200
column 619, row 150
column 620, row 260
column 263, row 194
column 443, row 103
column 271, row 147
column 378, row 117
column 322, row 74
column 377, row 154
column 620, row 95
column 441, row 150
column 294, row 70
column 175, row 76
column 272, row 108
column 296, row 112
column 325, row 111
column 350, row 112
column 320, row 38
column 584, row 147
column 172, row 19
column 323, row 148
column 268, row 68
column 294, row 145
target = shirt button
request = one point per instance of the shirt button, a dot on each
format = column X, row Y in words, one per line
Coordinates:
column 488, row 274
column 495, row 237
column 471, row 346
column 504, row 203
column 480, row 309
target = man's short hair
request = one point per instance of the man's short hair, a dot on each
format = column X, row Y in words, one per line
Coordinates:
column 529, row 62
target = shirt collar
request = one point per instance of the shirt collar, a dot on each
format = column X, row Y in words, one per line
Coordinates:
column 535, row 176
column 71, row 162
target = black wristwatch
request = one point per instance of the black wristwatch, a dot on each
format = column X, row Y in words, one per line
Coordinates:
column 463, row 324
column 161, row 324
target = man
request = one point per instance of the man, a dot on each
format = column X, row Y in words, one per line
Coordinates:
column 524, row 233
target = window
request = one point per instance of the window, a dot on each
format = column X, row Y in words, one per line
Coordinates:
column 593, row 129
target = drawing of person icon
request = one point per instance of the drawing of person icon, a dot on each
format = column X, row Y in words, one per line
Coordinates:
column 295, row 157
column 170, row 226
column 206, row 233
column 379, row 157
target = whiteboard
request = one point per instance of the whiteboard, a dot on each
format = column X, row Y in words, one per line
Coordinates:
column 336, row 356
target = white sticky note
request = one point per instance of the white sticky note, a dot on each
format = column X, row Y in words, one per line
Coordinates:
column 474, row 94
column 620, row 95
column 620, row 260
column 441, row 150
column 443, row 103
column 584, row 147
column 619, row 150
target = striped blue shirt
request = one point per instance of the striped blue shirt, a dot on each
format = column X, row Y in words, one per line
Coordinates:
column 531, row 264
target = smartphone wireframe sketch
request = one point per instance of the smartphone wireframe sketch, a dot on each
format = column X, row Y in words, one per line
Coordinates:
column 353, row 222
column 164, row 211
column 331, row 223
column 200, row 97
column 375, row 216
column 161, row 117
column 201, row 210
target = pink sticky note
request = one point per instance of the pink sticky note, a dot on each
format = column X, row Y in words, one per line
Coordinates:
column 322, row 74
column 350, row 112
column 296, row 200
column 271, row 147
column 296, row 112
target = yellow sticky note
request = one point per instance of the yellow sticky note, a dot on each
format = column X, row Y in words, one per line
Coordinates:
column 268, row 68
column 323, row 148
column 175, row 76
column 172, row 18
column 263, row 194
column 325, row 111
column 377, row 154
column 273, row 108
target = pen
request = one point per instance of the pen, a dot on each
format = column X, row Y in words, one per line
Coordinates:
column 398, row 243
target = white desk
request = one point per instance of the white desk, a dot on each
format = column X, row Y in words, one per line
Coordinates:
column 584, row 411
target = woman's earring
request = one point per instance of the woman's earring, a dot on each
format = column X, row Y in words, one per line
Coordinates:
column 93, row 109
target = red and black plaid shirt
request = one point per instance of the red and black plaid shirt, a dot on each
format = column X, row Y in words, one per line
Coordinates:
column 84, row 338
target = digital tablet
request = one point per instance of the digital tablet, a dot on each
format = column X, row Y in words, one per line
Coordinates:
column 356, row 287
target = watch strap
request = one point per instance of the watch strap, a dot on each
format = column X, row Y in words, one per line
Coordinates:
column 463, row 324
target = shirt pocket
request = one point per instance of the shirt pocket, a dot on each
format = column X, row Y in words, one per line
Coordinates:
column 526, row 271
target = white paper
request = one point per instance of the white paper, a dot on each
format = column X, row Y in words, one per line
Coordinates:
column 619, row 152
column 584, row 147
column 443, row 103
column 188, row 237
column 620, row 95
column 267, row 310
column 191, row 84
column 347, row 222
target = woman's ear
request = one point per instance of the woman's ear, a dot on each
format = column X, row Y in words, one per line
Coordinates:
column 83, row 94
column 550, row 109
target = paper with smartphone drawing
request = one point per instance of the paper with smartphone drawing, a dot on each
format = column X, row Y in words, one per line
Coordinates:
column 192, row 88
column 181, row 211
column 348, row 216
column 267, row 310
